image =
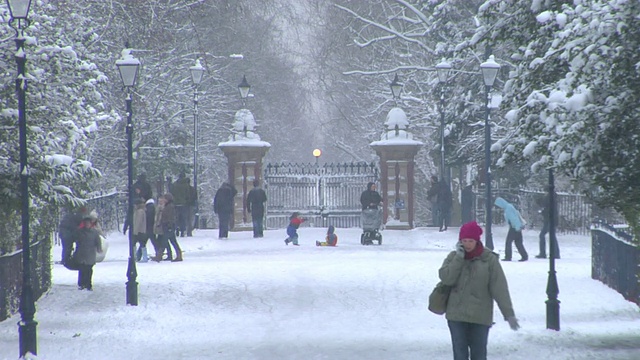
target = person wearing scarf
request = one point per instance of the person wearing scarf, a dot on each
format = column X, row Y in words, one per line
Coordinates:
column 477, row 280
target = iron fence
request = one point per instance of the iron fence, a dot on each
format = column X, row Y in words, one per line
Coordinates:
column 615, row 260
column 11, row 275
column 327, row 194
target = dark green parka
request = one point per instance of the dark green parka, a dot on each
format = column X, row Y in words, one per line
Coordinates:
column 476, row 284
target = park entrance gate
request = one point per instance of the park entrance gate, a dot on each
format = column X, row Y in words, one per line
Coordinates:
column 324, row 195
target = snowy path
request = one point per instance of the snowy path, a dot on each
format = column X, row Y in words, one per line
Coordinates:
column 246, row 298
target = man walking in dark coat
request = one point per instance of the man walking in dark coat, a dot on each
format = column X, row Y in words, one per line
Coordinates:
column 255, row 206
column 181, row 191
column 442, row 193
column 545, row 204
column 466, row 203
column 142, row 188
column 67, row 231
column 223, row 207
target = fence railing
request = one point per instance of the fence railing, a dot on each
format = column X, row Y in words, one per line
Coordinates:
column 615, row 260
column 11, row 275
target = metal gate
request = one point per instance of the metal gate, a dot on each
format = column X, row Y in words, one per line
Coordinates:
column 324, row 195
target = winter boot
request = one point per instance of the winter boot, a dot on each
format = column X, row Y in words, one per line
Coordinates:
column 178, row 254
column 139, row 254
column 145, row 255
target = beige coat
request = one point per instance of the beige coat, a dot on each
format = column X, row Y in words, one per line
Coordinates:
column 139, row 219
column 476, row 284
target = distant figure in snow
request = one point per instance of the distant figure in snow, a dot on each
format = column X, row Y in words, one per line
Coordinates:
column 255, row 206
column 331, row 239
column 292, row 230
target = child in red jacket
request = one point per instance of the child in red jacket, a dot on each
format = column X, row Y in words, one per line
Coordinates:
column 331, row 239
column 292, row 230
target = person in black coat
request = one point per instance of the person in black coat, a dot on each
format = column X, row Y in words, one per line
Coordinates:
column 141, row 188
column 466, row 204
column 223, row 207
column 67, row 231
column 544, row 203
column 255, row 206
column 370, row 198
column 442, row 193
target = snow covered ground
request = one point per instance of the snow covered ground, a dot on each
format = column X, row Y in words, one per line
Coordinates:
column 245, row 298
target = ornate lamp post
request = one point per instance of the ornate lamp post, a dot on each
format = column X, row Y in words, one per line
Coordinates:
column 396, row 89
column 128, row 67
column 19, row 10
column 197, row 71
column 553, row 304
column 490, row 70
column 244, row 88
column 442, row 70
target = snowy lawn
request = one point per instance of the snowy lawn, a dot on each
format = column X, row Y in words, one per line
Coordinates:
column 245, row 298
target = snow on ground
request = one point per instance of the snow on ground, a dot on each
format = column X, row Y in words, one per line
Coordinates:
column 245, row 298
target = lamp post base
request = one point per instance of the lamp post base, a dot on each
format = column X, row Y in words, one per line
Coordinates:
column 553, row 314
column 132, row 293
column 28, row 338
column 132, row 285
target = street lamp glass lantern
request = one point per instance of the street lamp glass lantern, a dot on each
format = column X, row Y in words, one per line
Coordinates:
column 128, row 67
column 443, row 69
column 244, row 87
column 490, row 70
column 396, row 87
column 196, row 72
column 19, row 9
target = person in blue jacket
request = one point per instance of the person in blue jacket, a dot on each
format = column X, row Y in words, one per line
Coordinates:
column 514, row 220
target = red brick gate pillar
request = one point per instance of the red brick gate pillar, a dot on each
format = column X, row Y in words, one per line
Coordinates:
column 397, row 150
column 244, row 152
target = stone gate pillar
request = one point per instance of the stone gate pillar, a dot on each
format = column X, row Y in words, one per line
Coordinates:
column 397, row 150
column 244, row 152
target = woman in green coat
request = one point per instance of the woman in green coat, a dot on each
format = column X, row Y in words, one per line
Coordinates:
column 476, row 279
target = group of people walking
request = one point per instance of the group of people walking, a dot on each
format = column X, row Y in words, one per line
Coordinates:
column 158, row 223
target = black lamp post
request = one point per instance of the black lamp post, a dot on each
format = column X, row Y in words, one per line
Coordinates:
column 244, row 88
column 19, row 10
column 197, row 71
column 128, row 67
column 490, row 70
column 553, row 304
column 396, row 89
column 442, row 70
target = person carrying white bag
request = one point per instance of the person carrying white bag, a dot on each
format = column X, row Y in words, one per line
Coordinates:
column 104, row 245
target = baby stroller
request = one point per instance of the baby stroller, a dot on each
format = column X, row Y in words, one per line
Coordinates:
column 371, row 221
